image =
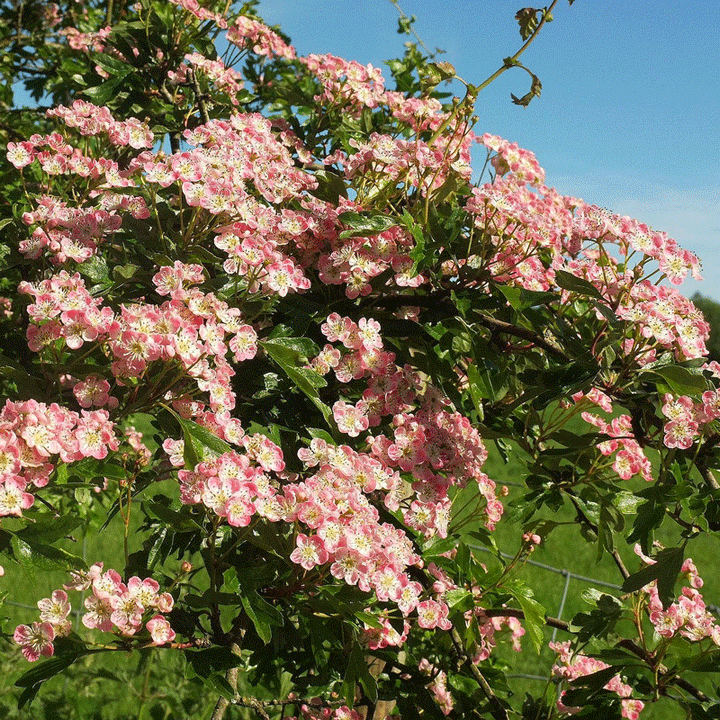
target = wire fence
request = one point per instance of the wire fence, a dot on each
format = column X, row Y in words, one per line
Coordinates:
column 568, row 575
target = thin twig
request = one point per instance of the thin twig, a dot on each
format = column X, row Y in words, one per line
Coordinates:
column 497, row 710
column 510, row 62
column 198, row 96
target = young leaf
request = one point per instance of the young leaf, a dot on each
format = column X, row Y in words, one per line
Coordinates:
column 534, row 619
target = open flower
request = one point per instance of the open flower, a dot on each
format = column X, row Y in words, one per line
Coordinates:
column 35, row 640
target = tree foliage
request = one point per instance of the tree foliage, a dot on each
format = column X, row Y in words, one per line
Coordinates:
column 261, row 322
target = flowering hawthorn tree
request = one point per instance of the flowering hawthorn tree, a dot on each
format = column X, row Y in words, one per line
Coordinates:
column 286, row 273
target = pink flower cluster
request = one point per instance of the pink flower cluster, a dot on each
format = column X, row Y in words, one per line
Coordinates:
column 533, row 229
column 33, row 434
column 686, row 418
column 355, row 261
column 247, row 32
column 89, row 119
column 193, row 329
column 224, row 79
column 229, row 154
column 417, row 163
column 67, row 233
column 57, row 157
column 200, row 12
column 665, row 319
column 86, row 41
column 438, row 686
column 630, row 459
column 436, row 446
column 235, row 486
column 511, row 158
column 311, row 712
column 528, row 225
column 342, row 527
column 571, row 666
column 688, row 615
column 631, row 236
column 346, row 84
column 112, row 606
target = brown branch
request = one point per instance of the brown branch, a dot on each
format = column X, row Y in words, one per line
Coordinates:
column 520, row 332
column 667, row 675
column 314, row 702
column 174, row 136
column 497, row 710
column 198, row 96
column 708, row 476
column 552, row 622
column 231, row 676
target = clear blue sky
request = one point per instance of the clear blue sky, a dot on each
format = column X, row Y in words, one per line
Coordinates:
column 629, row 116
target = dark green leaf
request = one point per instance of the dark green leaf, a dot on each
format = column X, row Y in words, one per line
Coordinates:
column 681, row 380
column 575, row 284
column 39, row 556
column 179, row 521
column 665, row 570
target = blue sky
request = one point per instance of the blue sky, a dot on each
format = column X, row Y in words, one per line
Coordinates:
column 629, row 116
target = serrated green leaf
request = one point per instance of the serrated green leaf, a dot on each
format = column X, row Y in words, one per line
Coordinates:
column 46, row 529
column 665, row 570
column 575, row 284
column 47, row 669
column 35, row 555
column 459, row 599
column 308, row 381
column 365, row 224
column 534, row 614
column 179, row 521
column 681, row 380
column 199, row 442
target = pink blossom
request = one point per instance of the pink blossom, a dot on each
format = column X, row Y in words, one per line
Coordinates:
column 160, row 630
column 35, row 640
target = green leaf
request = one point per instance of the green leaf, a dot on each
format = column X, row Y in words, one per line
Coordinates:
column 122, row 273
column 49, row 529
column 681, row 380
column 365, row 224
column 665, row 570
column 199, row 442
column 521, row 299
column 459, row 599
column 37, row 675
column 112, row 65
column 39, row 556
column 206, row 662
column 596, row 680
column 357, row 669
column 263, row 615
column 485, row 384
column 627, row 502
column 600, row 621
column 100, row 94
column 575, row 284
column 534, row 618
column 210, row 598
column 179, row 521
column 527, row 20
column 299, row 349
column 331, row 186
column 308, row 381
column 418, row 252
